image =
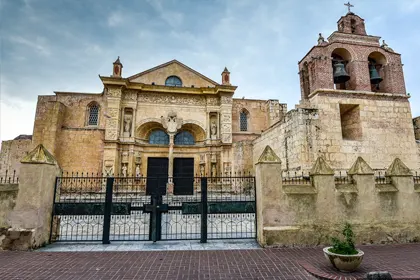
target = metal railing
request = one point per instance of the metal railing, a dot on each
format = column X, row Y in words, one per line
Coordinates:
column 296, row 178
column 9, row 178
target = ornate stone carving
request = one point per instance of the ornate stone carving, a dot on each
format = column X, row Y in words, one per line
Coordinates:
column 227, row 128
column 127, row 124
column 112, row 112
column 114, row 92
column 130, row 95
column 212, row 101
column 166, row 98
column 202, row 159
column 111, row 134
column 124, row 157
column 226, row 99
column 124, row 170
column 227, row 138
column 109, row 167
column 171, row 123
column 138, row 174
column 111, row 123
column 226, row 118
column 213, row 129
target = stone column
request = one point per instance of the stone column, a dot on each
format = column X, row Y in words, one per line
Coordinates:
column 406, row 197
column 322, row 177
column 363, row 177
column 31, row 218
column 170, row 185
column 268, row 195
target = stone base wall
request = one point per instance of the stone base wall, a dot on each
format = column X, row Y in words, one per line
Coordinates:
column 298, row 213
column 8, row 194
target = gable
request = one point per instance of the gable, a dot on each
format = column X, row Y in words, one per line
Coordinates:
column 159, row 74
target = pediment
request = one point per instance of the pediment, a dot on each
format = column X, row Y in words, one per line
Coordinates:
column 160, row 73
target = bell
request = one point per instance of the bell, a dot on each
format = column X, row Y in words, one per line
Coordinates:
column 340, row 74
column 375, row 79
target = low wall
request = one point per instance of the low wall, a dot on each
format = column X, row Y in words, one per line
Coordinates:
column 381, row 211
column 8, row 194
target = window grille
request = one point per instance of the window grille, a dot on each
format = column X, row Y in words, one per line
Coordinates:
column 243, row 121
column 173, row 81
column 93, row 114
column 184, row 138
column 159, row 137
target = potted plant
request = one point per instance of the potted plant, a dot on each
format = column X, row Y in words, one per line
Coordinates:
column 342, row 254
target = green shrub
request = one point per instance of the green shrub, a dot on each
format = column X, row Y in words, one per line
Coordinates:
column 346, row 246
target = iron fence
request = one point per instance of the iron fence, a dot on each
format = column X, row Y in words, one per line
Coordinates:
column 341, row 177
column 296, row 178
column 9, row 178
column 381, row 178
column 416, row 177
column 91, row 208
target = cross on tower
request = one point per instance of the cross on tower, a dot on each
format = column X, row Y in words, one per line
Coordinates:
column 349, row 6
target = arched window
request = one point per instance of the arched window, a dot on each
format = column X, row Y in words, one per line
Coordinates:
column 93, row 114
column 243, row 120
column 184, row 138
column 159, row 137
column 173, row 81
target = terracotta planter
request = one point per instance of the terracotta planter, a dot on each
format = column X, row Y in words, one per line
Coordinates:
column 345, row 263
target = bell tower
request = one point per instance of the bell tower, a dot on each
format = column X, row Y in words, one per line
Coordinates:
column 351, row 60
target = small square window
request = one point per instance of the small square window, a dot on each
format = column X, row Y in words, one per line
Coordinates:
column 351, row 127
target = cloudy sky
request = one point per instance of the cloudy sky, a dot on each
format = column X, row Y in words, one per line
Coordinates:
column 63, row 45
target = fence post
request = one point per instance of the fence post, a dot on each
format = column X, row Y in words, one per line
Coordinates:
column 203, row 210
column 107, row 210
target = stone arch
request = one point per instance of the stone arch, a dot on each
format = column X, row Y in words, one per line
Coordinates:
column 344, row 55
column 146, row 126
column 378, row 61
column 195, row 129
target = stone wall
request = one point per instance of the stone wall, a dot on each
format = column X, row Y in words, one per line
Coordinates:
column 377, row 127
column 61, row 126
column 416, row 124
column 291, row 139
column 80, row 150
column 383, row 129
column 297, row 213
column 11, row 153
column 8, row 194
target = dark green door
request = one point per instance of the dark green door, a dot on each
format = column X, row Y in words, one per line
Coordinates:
column 157, row 175
column 183, row 176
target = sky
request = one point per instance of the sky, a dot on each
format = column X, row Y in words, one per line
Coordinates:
column 63, row 45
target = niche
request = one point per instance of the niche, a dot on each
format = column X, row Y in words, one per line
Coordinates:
column 351, row 127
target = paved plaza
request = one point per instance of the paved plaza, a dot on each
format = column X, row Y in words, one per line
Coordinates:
column 402, row 261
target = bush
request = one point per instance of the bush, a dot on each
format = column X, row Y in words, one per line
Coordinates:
column 345, row 247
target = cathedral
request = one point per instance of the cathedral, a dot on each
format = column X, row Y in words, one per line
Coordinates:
column 173, row 121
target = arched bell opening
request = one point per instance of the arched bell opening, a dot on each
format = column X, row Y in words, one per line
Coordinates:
column 377, row 71
column 342, row 70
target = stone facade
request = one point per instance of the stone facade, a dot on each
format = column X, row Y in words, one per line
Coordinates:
column 130, row 109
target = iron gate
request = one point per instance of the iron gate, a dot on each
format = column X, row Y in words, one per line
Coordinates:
column 119, row 209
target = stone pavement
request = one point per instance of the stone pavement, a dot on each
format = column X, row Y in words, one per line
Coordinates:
column 402, row 261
